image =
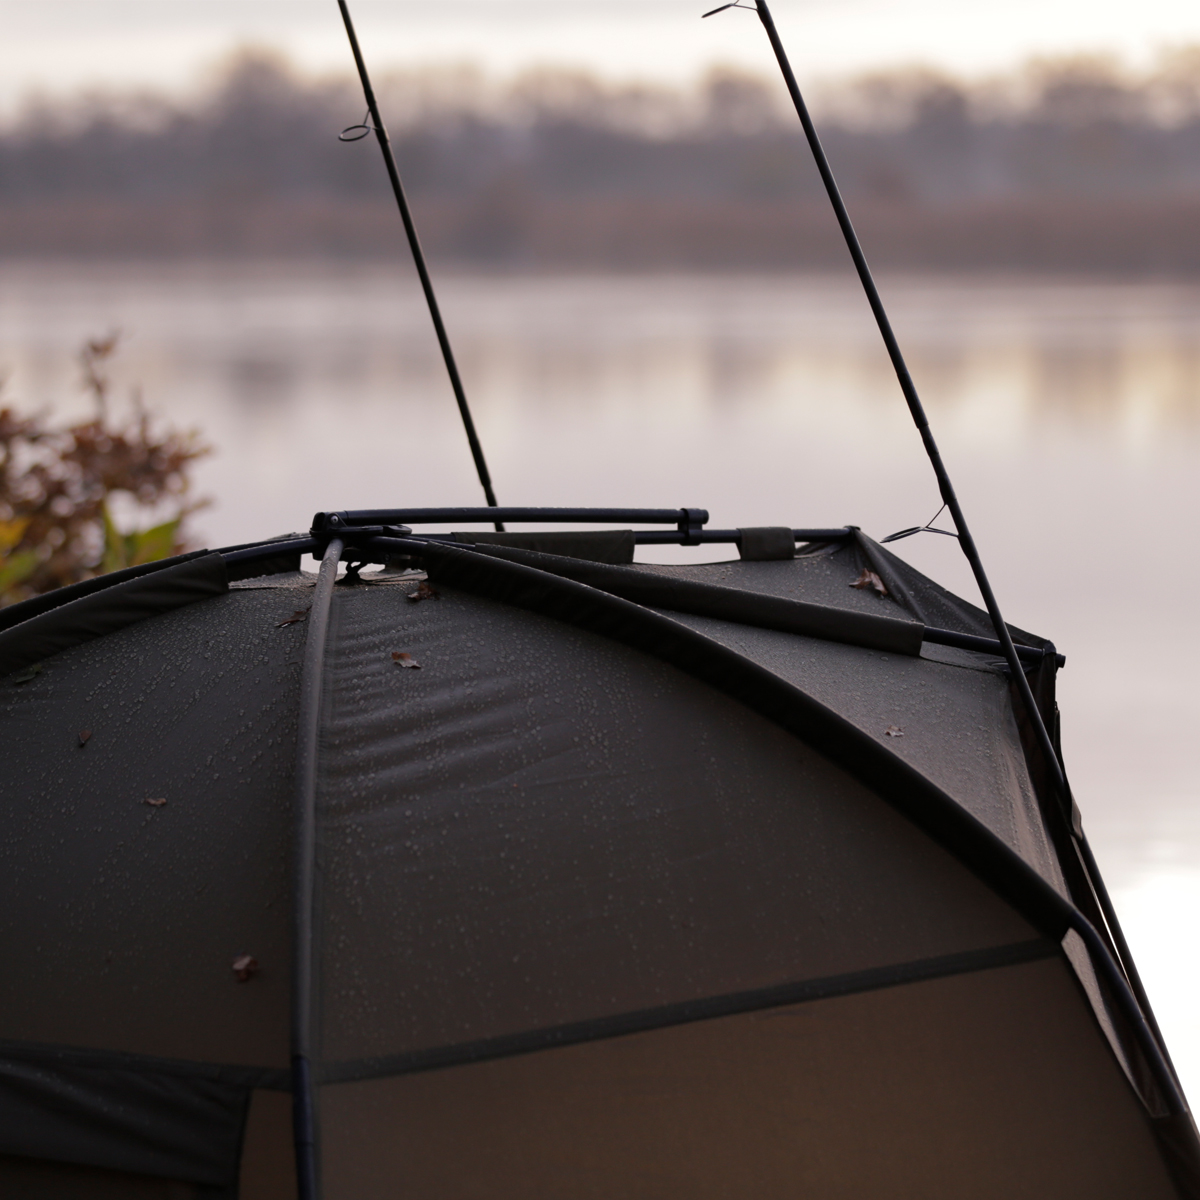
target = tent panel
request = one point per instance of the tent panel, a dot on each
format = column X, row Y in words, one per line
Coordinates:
column 102, row 610
column 826, row 578
column 955, row 721
column 540, row 826
column 975, row 1087
column 36, row 1179
column 124, row 915
column 268, row 1170
column 823, row 579
column 134, row 1119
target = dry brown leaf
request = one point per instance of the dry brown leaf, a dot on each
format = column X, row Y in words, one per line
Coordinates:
column 424, row 592
column 301, row 614
column 868, row 579
column 405, row 660
column 894, row 731
column 244, row 967
column 155, row 803
column 84, row 734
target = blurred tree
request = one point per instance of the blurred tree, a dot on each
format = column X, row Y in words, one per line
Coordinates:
column 57, row 485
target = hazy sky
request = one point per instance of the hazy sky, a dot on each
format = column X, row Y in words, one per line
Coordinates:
column 57, row 45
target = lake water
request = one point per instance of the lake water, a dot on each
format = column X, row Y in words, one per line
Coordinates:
column 1068, row 413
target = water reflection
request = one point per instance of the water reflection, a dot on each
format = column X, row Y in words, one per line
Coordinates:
column 1069, row 414
column 261, row 380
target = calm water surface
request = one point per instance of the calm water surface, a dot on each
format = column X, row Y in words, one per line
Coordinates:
column 1069, row 415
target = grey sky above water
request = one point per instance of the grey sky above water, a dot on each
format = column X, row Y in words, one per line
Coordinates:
column 63, row 45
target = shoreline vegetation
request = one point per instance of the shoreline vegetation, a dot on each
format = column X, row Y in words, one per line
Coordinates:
column 1067, row 167
column 59, row 482
column 1145, row 239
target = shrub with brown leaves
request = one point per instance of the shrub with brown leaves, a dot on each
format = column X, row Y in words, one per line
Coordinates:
column 56, row 525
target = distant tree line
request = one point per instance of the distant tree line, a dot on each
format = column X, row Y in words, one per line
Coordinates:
column 1070, row 165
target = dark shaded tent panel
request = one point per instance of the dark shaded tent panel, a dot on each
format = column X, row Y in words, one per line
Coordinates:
column 130, row 861
column 706, row 881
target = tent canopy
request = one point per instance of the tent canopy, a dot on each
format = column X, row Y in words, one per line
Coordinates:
column 721, row 879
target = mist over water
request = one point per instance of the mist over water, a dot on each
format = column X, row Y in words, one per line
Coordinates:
column 1069, row 415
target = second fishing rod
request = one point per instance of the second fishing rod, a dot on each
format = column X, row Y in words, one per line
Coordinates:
column 1050, row 753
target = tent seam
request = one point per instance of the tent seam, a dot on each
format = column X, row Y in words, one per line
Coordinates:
column 690, row 1011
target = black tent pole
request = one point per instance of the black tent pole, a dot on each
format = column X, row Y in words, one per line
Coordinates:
column 946, row 488
column 304, row 869
column 418, row 254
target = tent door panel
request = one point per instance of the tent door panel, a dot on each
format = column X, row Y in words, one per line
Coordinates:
column 984, row 1086
column 268, row 1170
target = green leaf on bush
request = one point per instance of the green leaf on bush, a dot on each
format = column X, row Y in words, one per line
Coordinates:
column 14, row 568
column 141, row 546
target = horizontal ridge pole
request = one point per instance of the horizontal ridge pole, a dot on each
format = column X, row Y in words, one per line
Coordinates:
column 440, row 516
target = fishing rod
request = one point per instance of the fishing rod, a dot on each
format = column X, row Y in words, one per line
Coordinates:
column 374, row 124
column 950, row 501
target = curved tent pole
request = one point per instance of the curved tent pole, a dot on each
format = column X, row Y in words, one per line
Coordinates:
column 950, row 499
column 414, row 243
column 304, row 876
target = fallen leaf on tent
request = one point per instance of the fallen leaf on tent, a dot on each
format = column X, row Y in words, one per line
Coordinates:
column 405, row 660
column 244, row 966
column 894, row 731
column 423, row 592
column 868, row 579
column 155, row 803
column 84, row 734
column 301, row 614
column 28, row 674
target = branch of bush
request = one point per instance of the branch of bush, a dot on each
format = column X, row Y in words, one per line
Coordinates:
column 57, row 485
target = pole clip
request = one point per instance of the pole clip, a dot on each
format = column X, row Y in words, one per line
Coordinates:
column 338, row 524
column 691, row 525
